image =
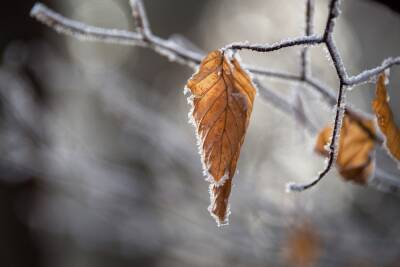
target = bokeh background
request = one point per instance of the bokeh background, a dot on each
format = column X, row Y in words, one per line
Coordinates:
column 99, row 166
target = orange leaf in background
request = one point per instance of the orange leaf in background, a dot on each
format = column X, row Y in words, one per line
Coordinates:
column 222, row 101
column 302, row 247
column 354, row 161
column 384, row 114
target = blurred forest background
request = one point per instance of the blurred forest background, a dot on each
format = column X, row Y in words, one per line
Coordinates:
column 99, row 166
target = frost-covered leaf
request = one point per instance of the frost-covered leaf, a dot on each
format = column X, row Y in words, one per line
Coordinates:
column 219, row 197
column 222, row 102
column 354, row 160
column 384, row 115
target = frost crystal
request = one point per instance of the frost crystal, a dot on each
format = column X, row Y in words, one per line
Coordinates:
column 219, row 222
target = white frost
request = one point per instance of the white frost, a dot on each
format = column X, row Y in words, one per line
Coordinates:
column 219, row 222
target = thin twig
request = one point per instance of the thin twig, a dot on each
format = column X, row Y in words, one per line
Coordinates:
column 140, row 17
column 328, row 94
column 372, row 73
column 340, row 104
column 299, row 41
column 305, row 66
column 83, row 31
column 330, row 43
column 334, row 12
column 332, row 146
column 89, row 33
column 178, row 53
column 272, row 73
column 281, row 103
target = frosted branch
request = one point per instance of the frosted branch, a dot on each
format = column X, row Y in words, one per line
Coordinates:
column 299, row 41
column 372, row 73
column 272, row 73
column 332, row 145
column 140, row 17
column 336, row 58
column 310, row 17
column 169, row 48
column 183, row 55
column 309, row 30
column 83, row 31
column 281, row 103
column 326, row 92
column 90, row 33
column 334, row 12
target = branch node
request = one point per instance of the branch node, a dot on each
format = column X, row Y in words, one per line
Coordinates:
column 140, row 18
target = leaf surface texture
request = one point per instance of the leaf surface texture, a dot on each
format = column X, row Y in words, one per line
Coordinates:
column 222, row 96
column 384, row 115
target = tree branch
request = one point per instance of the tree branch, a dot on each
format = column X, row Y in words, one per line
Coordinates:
column 372, row 73
column 290, row 108
column 332, row 146
column 175, row 52
column 340, row 104
column 83, row 31
column 140, row 17
column 166, row 48
column 305, row 68
column 89, row 33
column 299, row 41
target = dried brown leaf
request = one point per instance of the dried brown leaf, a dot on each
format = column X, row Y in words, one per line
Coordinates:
column 354, row 160
column 222, row 101
column 302, row 247
column 385, row 118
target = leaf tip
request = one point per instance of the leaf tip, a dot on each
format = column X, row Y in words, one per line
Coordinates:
column 219, row 207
